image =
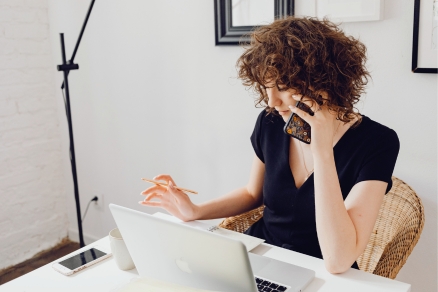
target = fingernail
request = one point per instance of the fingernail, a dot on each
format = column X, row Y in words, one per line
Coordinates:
column 140, row 202
column 292, row 106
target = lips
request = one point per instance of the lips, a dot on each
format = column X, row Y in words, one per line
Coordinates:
column 285, row 112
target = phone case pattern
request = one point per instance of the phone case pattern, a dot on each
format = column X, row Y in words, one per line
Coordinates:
column 297, row 127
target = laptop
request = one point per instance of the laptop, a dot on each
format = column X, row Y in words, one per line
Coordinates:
column 187, row 256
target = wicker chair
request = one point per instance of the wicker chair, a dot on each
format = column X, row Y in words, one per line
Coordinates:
column 396, row 232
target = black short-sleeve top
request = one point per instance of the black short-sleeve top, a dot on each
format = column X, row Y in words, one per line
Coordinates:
column 366, row 152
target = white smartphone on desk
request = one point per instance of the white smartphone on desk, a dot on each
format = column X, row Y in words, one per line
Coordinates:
column 81, row 260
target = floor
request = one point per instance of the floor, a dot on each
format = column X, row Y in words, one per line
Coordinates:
column 39, row 260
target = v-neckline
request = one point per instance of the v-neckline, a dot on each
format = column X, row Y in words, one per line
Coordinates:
column 288, row 141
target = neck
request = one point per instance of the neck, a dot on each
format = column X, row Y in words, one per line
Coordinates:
column 342, row 128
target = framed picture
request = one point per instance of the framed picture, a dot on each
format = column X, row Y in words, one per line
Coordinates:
column 341, row 10
column 425, row 40
column 350, row 10
column 235, row 19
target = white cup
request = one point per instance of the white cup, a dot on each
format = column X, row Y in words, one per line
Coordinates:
column 119, row 250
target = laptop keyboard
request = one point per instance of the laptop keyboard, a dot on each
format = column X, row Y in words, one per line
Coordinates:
column 269, row 286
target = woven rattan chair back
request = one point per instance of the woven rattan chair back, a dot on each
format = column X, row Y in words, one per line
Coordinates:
column 396, row 232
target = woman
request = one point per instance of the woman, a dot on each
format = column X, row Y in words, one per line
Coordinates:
column 321, row 199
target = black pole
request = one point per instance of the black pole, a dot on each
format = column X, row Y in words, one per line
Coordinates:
column 80, row 36
column 66, row 67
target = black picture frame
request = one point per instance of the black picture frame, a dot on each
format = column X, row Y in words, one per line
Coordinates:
column 227, row 34
column 415, row 68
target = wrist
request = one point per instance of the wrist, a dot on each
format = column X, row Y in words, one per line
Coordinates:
column 196, row 212
column 323, row 155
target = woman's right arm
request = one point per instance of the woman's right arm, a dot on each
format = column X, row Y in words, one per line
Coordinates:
column 238, row 201
column 234, row 203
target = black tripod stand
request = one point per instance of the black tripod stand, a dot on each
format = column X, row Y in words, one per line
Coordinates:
column 66, row 67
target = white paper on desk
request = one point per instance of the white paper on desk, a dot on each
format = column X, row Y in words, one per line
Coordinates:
column 153, row 285
column 250, row 242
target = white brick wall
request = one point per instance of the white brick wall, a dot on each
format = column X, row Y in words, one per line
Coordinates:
column 33, row 214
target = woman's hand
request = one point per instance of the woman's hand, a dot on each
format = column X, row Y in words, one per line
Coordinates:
column 323, row 124
column 169, row 198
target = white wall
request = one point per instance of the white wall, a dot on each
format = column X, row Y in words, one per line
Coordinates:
column 406, row 102
column 33, row 214
column 154, row 95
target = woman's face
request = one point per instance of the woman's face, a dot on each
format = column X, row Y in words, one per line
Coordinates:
column 282, row 98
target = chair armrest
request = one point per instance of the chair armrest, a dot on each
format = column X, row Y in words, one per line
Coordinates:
column 242, row 222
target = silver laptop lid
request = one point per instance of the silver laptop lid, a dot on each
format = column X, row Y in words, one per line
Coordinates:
column 183, row 255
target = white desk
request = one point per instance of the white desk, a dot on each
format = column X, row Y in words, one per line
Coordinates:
column 105, row 276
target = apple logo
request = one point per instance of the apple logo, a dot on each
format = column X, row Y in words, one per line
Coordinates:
column 183, row 266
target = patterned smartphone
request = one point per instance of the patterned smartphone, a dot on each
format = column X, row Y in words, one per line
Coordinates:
column 297, row 127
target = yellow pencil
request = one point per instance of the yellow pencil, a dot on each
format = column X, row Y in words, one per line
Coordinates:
column 165, row 185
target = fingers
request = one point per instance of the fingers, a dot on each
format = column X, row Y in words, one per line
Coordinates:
column 175, row 192
column 310, row 102
column 164, row 177
column 302, row 114
column 158, row 192
column 147, row 201
column 153, row 196
column 154, row 189
column 165, row 194
column 150, row 203
column 314, row 107
column 159, row 189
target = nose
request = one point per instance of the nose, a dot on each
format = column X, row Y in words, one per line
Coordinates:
column 273, row 97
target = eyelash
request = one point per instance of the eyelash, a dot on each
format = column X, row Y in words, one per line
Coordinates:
column 280, row 89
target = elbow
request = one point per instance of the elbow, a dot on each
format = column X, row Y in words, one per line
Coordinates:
column 336, row 267
column 340, row 261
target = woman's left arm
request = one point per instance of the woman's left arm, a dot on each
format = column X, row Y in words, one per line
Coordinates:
column 343, row 227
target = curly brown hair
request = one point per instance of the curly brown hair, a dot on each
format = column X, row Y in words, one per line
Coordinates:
column 308, row 55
